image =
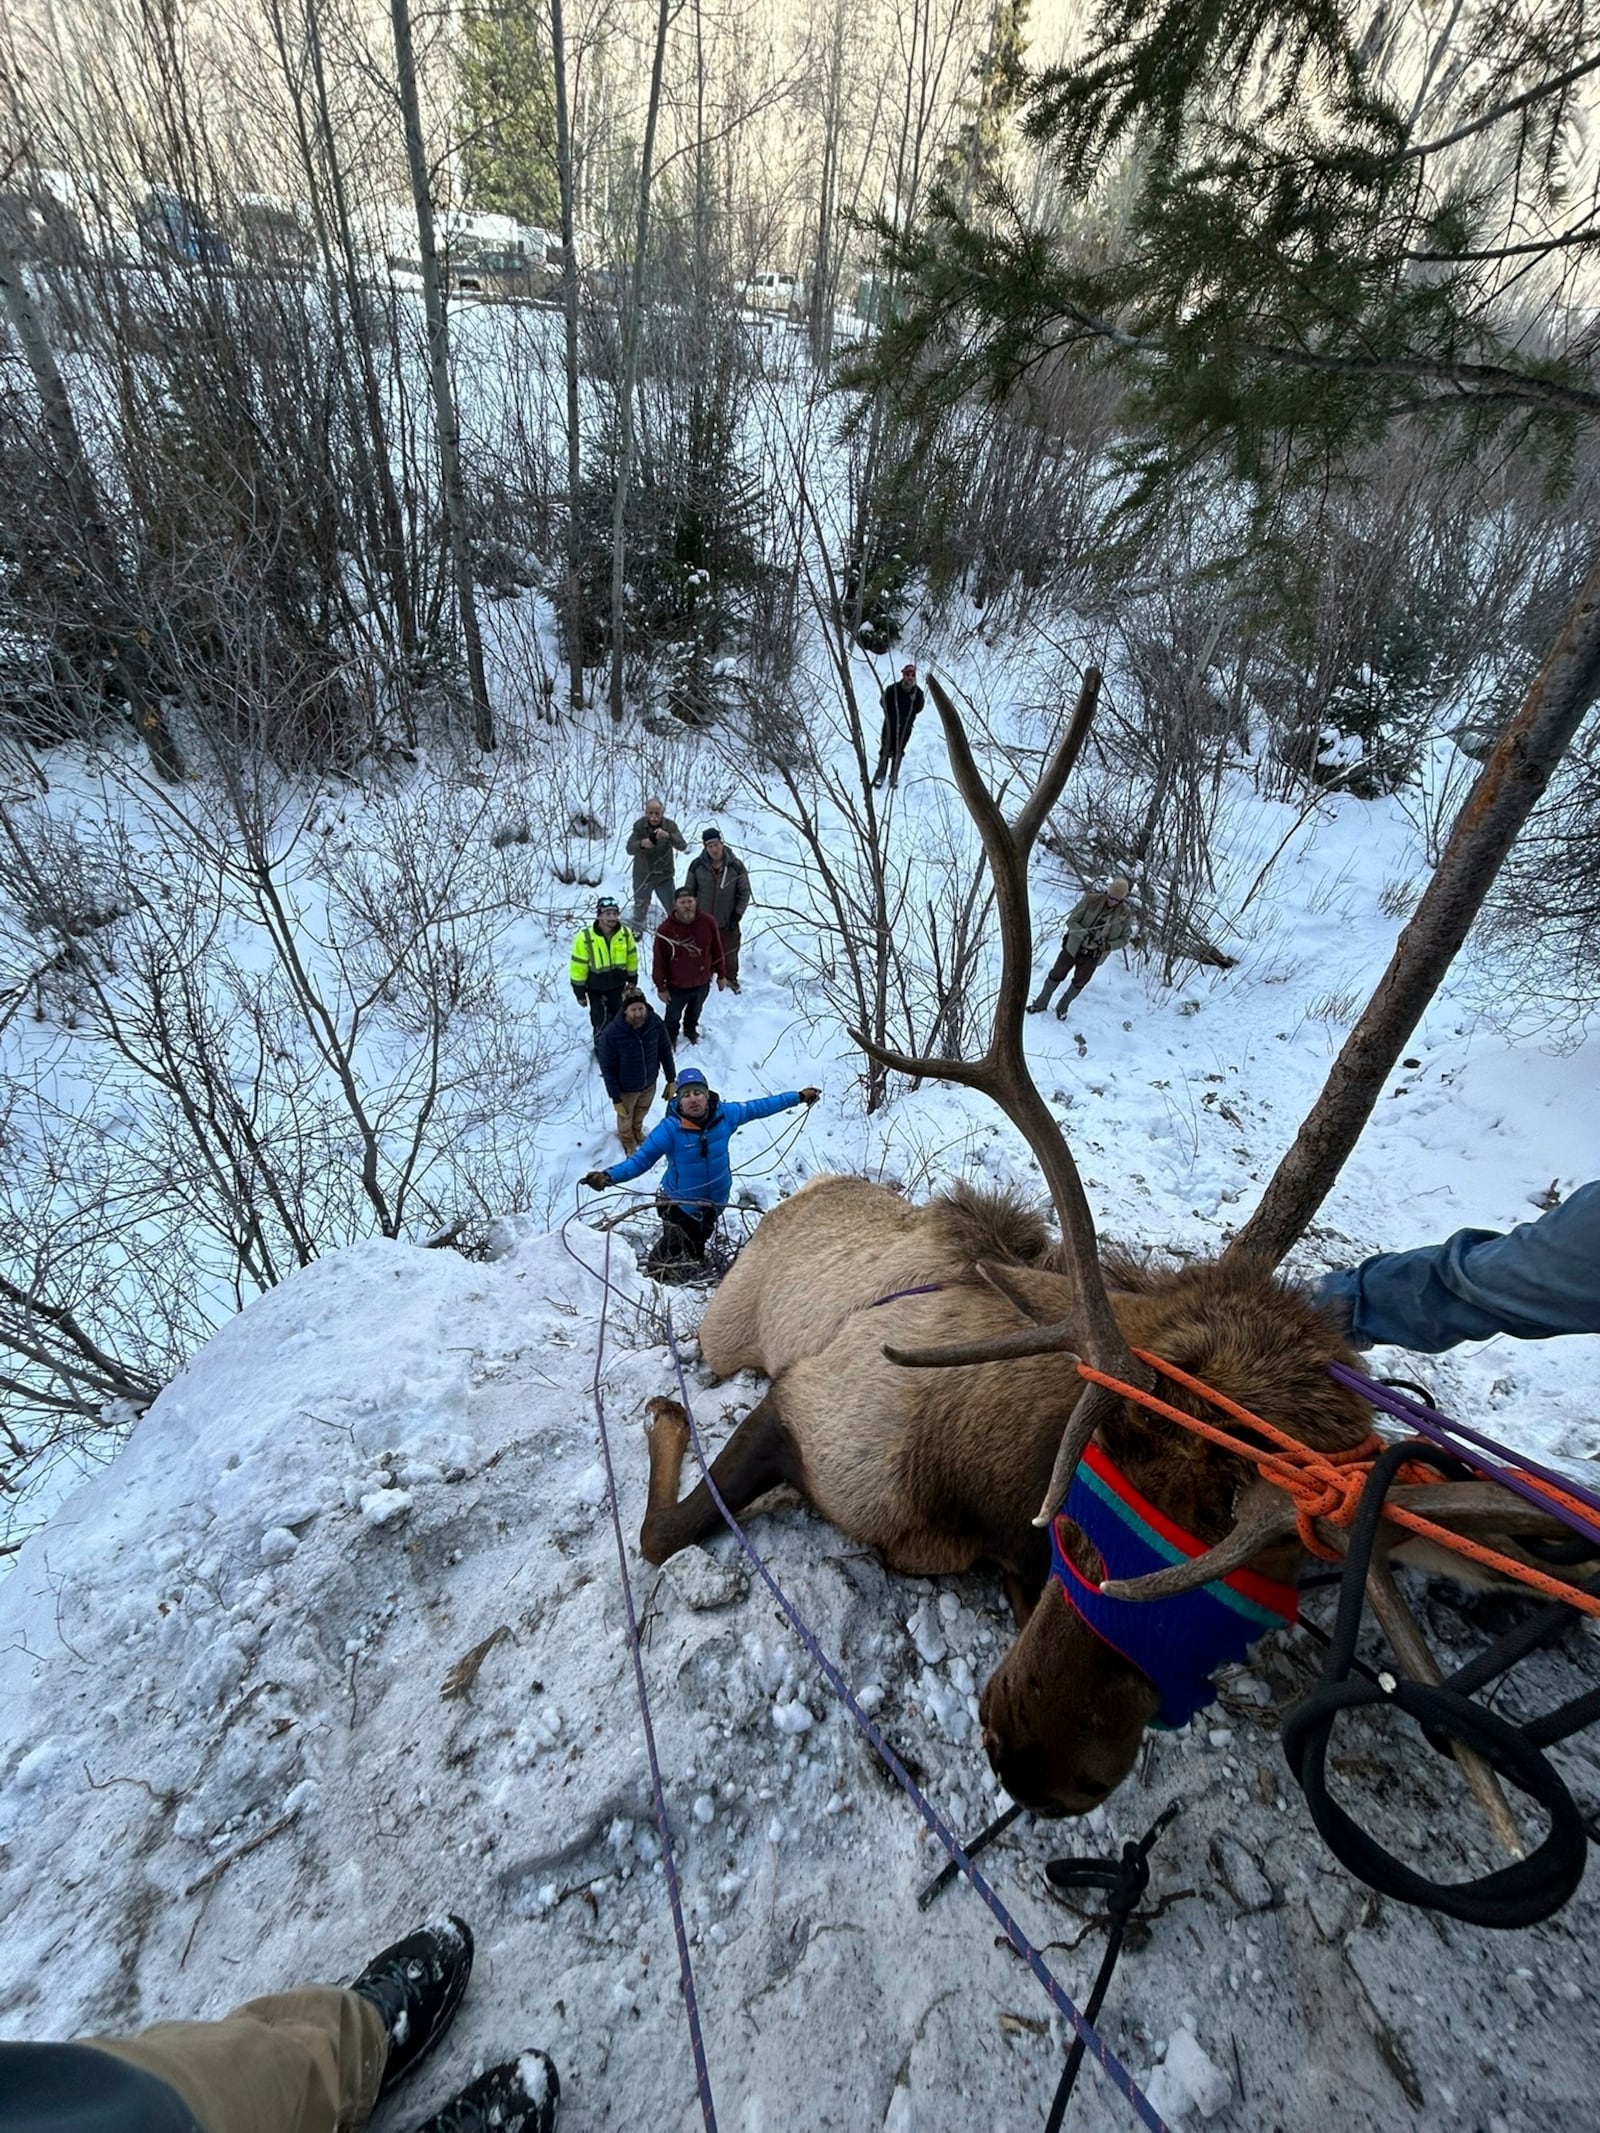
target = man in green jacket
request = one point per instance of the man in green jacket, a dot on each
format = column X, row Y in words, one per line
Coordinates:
column 651, row 843
column 1097, row 924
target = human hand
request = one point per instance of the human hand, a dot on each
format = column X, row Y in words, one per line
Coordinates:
column 597, row 1180
column 669, row 1092
column 809, row 1096
column 624, row 1112
column 722, row 984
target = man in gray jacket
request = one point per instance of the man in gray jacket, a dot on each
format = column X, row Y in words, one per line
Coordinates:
column 651, row 844
column 1097, row 924
column 722, row 888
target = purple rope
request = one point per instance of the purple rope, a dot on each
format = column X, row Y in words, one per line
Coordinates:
column 708, row 2109
column 1106, row 2059
column 1445, row 1431
column 1110, row 2065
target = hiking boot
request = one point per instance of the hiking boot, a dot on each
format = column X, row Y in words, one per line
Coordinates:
column 691, row 1036
column 518, row 2097
column 1061, row 1008
column 416, row 1986
column 1037, row 1007
column 733, row 984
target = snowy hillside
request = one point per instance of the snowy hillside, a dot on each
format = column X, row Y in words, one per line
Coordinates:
column 339, row 1641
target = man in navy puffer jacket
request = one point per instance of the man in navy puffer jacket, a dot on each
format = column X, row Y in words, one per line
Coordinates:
column 633, row 1048
column 694, row 1138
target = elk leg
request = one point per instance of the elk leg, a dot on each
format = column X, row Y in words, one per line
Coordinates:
column 760, row 1455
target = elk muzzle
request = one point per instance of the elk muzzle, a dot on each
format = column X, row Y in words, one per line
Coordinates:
column 1063, row 1714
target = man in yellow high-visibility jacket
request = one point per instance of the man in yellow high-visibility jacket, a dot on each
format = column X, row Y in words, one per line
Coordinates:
column 605, row 963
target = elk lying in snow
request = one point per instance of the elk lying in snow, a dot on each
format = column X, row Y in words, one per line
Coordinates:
column 847, row 1295
column 941, row 1470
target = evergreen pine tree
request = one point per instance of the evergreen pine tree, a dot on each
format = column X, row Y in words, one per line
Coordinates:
column 1321, row 213
column 508, row 148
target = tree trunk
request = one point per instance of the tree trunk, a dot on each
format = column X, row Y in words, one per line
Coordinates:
column 820, row 297
column 393, row 536
column 630, row 365
column 86, row 520
column 455, row 497
column 1505, row 794
column 569, row 305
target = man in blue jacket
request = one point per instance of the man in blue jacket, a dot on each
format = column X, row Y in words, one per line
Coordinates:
column 1539, row 1279
column 694, row 1138
column 633, row 1048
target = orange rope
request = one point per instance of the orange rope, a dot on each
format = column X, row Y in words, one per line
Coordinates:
column 1328, row 1485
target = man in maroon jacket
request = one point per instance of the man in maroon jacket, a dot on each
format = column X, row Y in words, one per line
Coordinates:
column 687, row 956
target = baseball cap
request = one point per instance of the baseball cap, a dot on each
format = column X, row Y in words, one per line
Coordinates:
column 692, row 1078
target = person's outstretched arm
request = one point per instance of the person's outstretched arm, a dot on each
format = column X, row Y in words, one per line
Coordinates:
column 1535, row 1281
column 656, row 1143
column 767, row 1106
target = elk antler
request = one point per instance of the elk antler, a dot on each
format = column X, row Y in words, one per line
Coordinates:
column 1265, row 1514
column 999, row 1348
column 1045, row 1335
column 1002, row 1073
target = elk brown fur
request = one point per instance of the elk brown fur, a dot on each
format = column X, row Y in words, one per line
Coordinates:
column 942, row 1470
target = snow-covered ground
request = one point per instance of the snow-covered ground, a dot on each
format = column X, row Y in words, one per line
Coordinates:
column 338, row 1641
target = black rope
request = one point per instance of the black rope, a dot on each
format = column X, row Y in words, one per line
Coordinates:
column 1124, row 1881
column 973, row 1845
column 1521, row 1894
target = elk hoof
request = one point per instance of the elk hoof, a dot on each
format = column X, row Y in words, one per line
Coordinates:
column 663, row 1420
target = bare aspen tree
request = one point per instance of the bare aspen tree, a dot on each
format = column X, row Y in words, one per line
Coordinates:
column 1506, row 791
column 85, row 514
column 573, row 586
column 632, row 336
column 449, row 436
column 320, row 160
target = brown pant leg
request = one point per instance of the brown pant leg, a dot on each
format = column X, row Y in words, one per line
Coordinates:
column 1084, row 969
column 632, row 1107
column 307, row 2061
column 641, row 1113
column 730, row 953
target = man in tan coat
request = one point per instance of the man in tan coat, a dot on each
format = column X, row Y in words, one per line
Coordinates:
column 1098, row 924
column 651, row 844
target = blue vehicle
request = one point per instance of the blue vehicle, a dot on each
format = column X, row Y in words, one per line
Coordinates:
column 182, row 229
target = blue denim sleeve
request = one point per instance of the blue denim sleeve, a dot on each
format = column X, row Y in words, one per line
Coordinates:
column 1537, row 1280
